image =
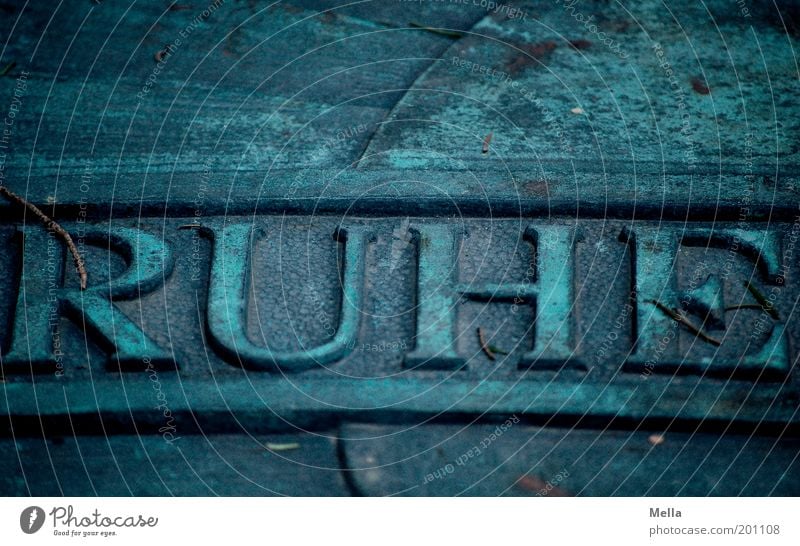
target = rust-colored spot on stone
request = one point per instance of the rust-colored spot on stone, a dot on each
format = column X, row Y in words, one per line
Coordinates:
column 486, row 143
column 160, row 55
column 531, row 55
column 328, row 17
column 288, row 8
column 615, row 26
column 538, row 187
column 700, row 86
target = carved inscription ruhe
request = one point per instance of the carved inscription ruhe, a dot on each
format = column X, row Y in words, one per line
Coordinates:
column 660, row 300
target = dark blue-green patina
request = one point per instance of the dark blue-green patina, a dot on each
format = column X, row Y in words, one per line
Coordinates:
column 384, row 231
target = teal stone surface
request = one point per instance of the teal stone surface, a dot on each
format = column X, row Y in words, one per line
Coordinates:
column 435, row 248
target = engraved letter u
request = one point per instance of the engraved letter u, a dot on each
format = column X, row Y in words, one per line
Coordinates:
column 228, row 296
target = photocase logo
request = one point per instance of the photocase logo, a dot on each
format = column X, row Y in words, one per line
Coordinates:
column 31, row 520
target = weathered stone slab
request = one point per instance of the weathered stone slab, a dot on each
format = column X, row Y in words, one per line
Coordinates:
column 195, row 465
column 507, row 458
column 310, row 222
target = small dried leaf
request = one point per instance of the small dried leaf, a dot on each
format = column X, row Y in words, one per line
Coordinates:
column 282, row 447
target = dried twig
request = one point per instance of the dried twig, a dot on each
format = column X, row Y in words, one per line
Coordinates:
column 745, row 306
column 681, row 319
column 190, row 226
column 486, row 142
column 484, row 346
column 8, row 68
column 766, row 305
column 51, row 224
column 441, row 31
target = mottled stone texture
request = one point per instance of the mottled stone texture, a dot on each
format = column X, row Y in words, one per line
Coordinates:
column 400, row 247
